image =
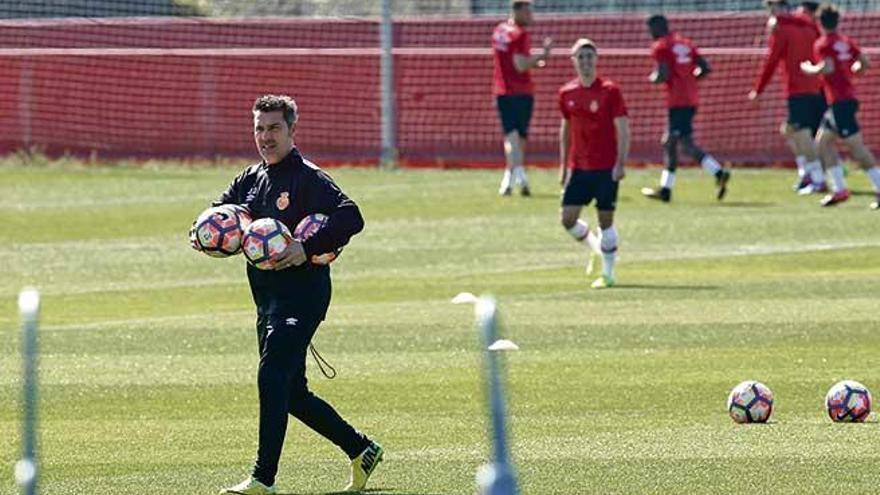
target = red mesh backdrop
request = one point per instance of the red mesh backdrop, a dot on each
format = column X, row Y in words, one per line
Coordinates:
column 183, row 87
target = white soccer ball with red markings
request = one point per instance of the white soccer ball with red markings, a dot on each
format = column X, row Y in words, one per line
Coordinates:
column 307, row 227
column 264, row 241
column 848, row 402
column 218, row 231
column 750, row 402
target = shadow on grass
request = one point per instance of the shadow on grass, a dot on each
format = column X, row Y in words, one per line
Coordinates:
column 368, row 491
column 862, row 193
column 747, row 204
column 665, row 287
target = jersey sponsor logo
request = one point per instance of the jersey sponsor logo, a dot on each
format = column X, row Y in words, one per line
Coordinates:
column 842, row 49
column 291, row 322
column 501, row 39
column 283, row 201
column 682, row 53
column 594, row 106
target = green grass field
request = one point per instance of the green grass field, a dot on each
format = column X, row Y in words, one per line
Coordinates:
column 148, row 362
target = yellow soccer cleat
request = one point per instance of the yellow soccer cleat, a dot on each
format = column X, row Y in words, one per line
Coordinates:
column 602, row 282
column 249, row 486
column 363, row 465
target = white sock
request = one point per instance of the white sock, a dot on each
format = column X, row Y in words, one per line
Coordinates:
column 710, row 164
column 608, row 242
column 874, row 175
column 505, row 181
column 581, row 233
column 667, row 179
column 814, row 168
column 519, row 176
column 801, row 166
column 837, row 177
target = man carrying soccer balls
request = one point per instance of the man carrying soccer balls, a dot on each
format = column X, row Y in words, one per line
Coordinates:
column 293, row 296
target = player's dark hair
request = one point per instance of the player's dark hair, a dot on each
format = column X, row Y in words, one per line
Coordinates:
column 658, row 24
column 518, row 5
column 810, row 7
column 829, row 16
column 274, row 103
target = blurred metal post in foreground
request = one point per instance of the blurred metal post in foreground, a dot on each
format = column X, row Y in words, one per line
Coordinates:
column 26, row 468
column 497, row 477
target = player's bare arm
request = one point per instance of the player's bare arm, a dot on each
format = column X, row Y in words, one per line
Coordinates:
column 523, row 63
column 563, row 151
column 703, row 68
column 621, row 126
column 825, row 66
column 660, row 74
column 860, row 65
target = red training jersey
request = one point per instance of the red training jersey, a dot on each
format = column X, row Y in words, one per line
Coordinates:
column 680, row 55
column 509, row 39
column 590, row 112
column 791, row 42
column 843, row 51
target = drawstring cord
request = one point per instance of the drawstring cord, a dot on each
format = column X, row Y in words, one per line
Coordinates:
column 322, row 362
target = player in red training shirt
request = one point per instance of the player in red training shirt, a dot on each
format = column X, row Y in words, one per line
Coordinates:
column 679, row 65
column 839, row 57
column 514, row 90
column 791, row 37
column 593, row 146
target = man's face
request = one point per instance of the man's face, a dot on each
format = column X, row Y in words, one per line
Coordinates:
column 274, row 138
column 522, row 15
column 585, row 61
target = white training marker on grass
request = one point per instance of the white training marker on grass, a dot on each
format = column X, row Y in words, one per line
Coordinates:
column 503, row 345
column 465, row 298
column 28, row 302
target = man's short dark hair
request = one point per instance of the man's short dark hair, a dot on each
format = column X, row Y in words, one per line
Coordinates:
column 658, row 23
column 275, row 103
column 810, row 7
column 829, row 16
column 518, row 4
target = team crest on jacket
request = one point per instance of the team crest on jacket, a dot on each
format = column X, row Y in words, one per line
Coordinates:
column 283, row 201
column 594, row 106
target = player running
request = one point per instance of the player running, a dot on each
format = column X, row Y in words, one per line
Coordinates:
column 790, row 41
column 678, row 66
column 514, row 90
column 839, row 57
column 593, row 146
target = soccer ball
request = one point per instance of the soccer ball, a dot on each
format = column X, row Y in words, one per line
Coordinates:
column 264, row 240
column 218, row 230
column 307, row 227
column 848, row 402
column 750, row 402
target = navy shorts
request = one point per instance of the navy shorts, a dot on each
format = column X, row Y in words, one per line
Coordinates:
column 806, row 111
column 841, row 118
column 681, row 121
column 586, row 185
column 515, row 112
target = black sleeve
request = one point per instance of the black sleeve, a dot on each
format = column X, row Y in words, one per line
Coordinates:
column 345, row 218
column 234, row 194
column 231, row 194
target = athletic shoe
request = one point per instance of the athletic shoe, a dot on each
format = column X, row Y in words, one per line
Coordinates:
column 249, row 486
column 876, row 204
column 525, row 191
column 602, row 282
column 833, row 199
column 363, row 465
column 805, row 181
column 663, row 194
column 813, row 188
column 721, row 181
column 505, row 191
